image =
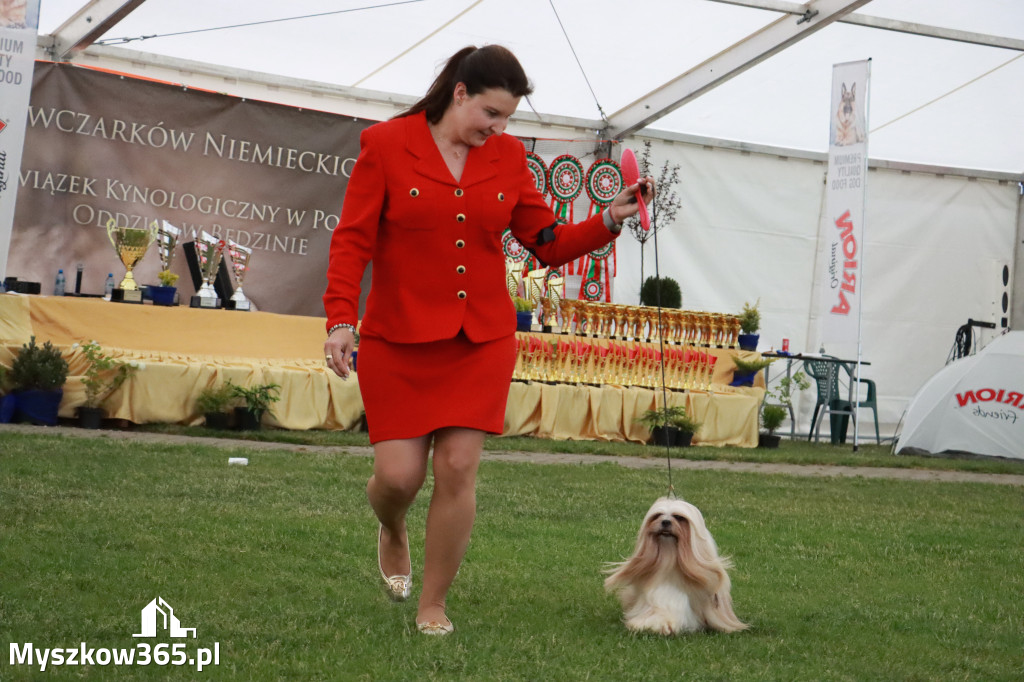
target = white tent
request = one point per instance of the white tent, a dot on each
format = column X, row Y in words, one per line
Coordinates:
column 733, row 91
column 974, row 405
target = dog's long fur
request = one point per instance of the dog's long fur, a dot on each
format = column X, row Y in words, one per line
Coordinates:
column 675, row 581
column 847, row 126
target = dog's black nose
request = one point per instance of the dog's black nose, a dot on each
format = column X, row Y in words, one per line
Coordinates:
column 665, row 523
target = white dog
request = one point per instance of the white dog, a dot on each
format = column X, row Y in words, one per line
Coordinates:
column 675, row 581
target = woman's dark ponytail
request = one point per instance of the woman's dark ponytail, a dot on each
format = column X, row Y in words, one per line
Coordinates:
column 491, row 66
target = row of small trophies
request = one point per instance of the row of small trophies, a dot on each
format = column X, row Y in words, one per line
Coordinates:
column 629, row 363
column 131, row 244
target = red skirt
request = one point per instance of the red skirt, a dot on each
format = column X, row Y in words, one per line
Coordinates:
column 413, row 389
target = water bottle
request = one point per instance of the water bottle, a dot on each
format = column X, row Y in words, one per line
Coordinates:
column 58, row 287
column 108, row 288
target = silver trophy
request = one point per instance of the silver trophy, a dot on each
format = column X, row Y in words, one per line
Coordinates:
column 166, row 242
column 209, row 250
column 240, row 256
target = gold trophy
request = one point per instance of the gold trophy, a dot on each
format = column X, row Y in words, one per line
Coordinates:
column 209, row 250
column 240, row 256
column 131, row 244
column 551, row 303
column 535, row 292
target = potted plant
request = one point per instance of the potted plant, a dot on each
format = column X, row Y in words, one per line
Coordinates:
column 662, row 423
column 686, row 426
column 524, row 313
column 164, row 294
column 99, row 383
column 6, row 398
column 750, row 323
column 746, row 370
column 773, row 414
column 771, row 417
column 257, row 403
column 38, row 374
column 662, row 291
column 213, row 402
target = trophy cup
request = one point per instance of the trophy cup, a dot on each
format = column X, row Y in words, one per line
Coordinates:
column 240, row 256
column 166, row 242
column 131, row 244
column 551, row 302
column 208, row 250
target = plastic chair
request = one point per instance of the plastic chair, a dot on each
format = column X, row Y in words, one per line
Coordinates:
column 870, row 400
column 826, row 377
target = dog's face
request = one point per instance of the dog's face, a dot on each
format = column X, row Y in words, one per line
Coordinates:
column 671, row 519
column 847, row 112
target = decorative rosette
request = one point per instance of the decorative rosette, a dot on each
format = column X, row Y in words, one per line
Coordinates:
column 604, row 182
column 513, row 249
column 538, row 170
column 565, row 182
column 592, row 290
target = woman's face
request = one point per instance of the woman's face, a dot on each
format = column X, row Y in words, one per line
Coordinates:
column 479, row 116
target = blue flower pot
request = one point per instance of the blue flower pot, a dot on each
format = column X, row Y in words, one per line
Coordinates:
column 748, row 341
column 37, row 407
column 7, row 403
column 524, row 321
column 162, row 295
column 742, row 378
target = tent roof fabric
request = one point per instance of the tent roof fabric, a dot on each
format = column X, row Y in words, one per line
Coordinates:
column 934, row 100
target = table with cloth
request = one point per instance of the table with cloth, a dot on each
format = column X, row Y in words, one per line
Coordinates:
column 185, row 350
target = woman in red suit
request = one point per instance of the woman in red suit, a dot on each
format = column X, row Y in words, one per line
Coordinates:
column 428, row 199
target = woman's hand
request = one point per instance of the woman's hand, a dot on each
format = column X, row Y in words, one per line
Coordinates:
column 338, row 351
column 625, row 205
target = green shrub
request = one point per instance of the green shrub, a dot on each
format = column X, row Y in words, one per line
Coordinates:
column 38, row 368
column 670, row 294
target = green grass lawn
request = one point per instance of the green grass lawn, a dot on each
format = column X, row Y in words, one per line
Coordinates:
column 791, row 452
column 841, row 579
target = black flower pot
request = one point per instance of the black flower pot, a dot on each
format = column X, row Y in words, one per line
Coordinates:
column 37, row 407
column 90, row 417
column 769, row 441
column 684, row 439
column 218, row 420
column 246, row 420
column 664, row 435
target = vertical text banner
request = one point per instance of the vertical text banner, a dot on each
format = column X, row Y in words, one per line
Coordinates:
column 843, row 224
column 18, row 25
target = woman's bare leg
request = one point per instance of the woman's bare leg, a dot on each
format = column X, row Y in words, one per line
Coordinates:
column 399, row 469
column 450, row 519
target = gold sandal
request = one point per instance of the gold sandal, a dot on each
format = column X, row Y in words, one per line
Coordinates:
column 398, row 587
column 435, row 628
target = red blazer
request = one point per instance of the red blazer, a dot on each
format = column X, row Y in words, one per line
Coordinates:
column 435, row 243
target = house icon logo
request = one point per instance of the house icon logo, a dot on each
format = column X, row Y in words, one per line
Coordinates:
column 159, row 613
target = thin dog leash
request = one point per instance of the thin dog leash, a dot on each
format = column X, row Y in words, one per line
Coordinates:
column 661, row 341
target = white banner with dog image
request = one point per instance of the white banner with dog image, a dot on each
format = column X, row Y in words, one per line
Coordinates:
column 18, row 21
column 842, row 226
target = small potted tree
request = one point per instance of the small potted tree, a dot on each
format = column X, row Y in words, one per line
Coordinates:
column 771, row 417
column 213, row 402
column 750, row 323
column 773, row 414
column 99, row 383
column 257, row 403
column 524, row 313
column 38, row 374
